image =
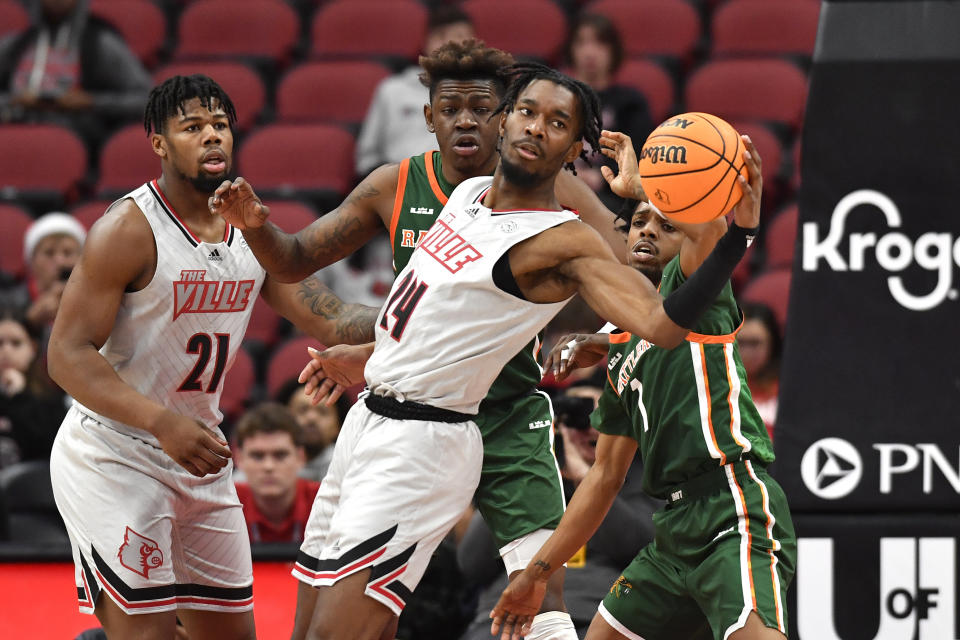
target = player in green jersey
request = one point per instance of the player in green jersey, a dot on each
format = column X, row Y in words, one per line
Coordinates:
column 520, row 494
column 725, row 549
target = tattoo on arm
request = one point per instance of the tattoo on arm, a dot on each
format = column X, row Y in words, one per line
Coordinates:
column 353, row 323
column 542, row 564
column 326, row 247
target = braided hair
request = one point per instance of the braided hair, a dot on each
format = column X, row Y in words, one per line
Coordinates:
column 168, row 98
column 524, row 73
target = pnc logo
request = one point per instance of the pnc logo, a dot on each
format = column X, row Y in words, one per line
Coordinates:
column 831, row 468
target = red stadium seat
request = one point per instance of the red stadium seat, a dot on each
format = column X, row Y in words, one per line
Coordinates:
column 89, row 212
column 13, row 17
column 288, row 361
column 299, row 160
column 525, row 28
column 765, row 27
column 264, row 327
column 769, row 89
column 126, row 162
column 242, row 84
column 656, row 85
column 291, row 215
column 237, row 385
column 141, row 23
column 772, row 288
column 14, row 221
column 266, row 30
column 28, row 147
column 780, row 240
column 304, row 94
column 373, row 29
column 771, row 155
column 669, row 28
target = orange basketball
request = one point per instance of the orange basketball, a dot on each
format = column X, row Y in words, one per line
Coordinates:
column 689, row 166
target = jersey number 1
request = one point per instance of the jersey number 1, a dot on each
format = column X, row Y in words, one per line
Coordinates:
column 201, row 344
column 402, row 303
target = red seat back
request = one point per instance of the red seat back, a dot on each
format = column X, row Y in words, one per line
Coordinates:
column 265, row 29
column 28, row 147
column 336, row 92
column 126, row 162
column 525, row 28
column 772, row 288
column 669, row 28
column 14, row 221
column 288, row 361
column 656, row 85
column 765, row 27
column 373, row 29
column 140, row 22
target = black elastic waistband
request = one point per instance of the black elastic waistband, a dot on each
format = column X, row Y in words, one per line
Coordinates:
column 709, row 483
column 408, row 410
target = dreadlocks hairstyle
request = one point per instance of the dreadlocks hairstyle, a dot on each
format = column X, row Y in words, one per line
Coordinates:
column 467, row 60
column 167, row 99
column 523, row 73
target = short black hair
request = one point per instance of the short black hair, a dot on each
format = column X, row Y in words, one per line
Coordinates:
column 625, row 214
column 607, row 33
column 467, row 60
column 167, row 99
column 523, row 74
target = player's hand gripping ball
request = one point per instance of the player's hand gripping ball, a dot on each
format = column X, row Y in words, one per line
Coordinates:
column 689, row 167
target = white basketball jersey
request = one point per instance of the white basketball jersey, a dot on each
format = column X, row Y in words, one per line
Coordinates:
column 175, row 339
column 447, row 330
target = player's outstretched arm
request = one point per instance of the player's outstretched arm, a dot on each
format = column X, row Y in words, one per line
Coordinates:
column 319, row 312
column 112, row 260
column 576, row 351
column 521, row 600
column 332, row 237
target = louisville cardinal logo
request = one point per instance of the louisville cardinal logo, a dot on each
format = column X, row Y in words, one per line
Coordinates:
column 139, row 553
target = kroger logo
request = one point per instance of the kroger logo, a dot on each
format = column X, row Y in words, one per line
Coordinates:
column 894, row 251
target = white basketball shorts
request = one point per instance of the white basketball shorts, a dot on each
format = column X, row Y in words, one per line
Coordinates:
column 145, row 531
column 393, row 491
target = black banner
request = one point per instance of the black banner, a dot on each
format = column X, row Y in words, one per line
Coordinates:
column 876, row 578
column 869, row 416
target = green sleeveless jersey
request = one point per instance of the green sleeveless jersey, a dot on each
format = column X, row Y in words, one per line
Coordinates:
column 689, row 407
column 422, row 192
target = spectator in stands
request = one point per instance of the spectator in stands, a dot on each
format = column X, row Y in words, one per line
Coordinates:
column 276, row 503
column 394, row 128
column 626, row 529
column 760, row 347
column 51, row 247
column 319, row 426
column 31, row 407
column 594, row 52
column 71, row 68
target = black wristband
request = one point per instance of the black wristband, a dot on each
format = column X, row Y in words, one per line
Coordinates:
column 691, row 300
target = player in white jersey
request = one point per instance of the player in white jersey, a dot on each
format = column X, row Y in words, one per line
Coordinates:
column 149, row 325
column 500, row 261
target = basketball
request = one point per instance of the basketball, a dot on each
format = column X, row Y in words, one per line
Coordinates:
column 689, row 166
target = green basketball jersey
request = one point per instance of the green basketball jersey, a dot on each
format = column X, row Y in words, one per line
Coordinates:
column 422, row 192
column 689, row 407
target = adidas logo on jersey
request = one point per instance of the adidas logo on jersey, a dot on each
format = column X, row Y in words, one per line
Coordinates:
column 193, row 294
column 215, row 256
column 423, row 211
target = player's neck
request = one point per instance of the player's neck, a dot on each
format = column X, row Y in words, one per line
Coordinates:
column 191, row 206
column 505, row 195
column 455, row 176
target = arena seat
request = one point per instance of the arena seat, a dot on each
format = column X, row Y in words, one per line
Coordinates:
column 307, row 161
column 666, row 28
column 14, row 221
column 32, row 514
column 391, row 29
column 303, row 95
column 238, row 385
column 13, row 17
column 89, row 212
column 768, row 89
column 264, row 327
column 525, row 28
column 291, row 215
column 287, row 361
column 653, row 81
column 780, row 240
column 771, row 155
column 142, row 24
column 243, row 84
column 254, row 29
column 57, row 149
column 772, row 288
column 126, row 162
column 765, row 27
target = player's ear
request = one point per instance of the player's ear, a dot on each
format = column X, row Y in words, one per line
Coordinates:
column 159, row 144
column 574, row 151
column 428, row 117
column 503, row 121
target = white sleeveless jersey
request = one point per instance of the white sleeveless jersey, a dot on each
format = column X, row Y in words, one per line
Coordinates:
column 175, row 339
column 447, row 330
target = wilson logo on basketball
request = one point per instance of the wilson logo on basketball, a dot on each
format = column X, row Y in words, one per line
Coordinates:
column 448, row 247
column 672, row 154
column 193, row 294
column 139, row 553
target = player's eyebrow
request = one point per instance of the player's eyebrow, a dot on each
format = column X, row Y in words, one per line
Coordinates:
column 559, row 113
